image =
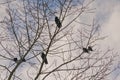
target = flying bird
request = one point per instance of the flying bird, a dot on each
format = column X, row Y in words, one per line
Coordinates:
column 44, row 58
column 90, row 48
column 85, row 50
column 15, row 59
column 58, row 23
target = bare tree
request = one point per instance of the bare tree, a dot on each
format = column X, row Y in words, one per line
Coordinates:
column 51, row 32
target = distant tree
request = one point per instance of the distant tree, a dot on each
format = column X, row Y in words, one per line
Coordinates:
column 30, row 28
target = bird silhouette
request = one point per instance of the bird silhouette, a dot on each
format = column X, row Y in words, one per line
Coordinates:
column 44, row 58
column 58, row 23
column 90, row 48
column 85, row 50
column 23, row 60
column 15, row 59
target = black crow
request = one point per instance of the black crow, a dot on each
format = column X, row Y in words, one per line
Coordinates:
column 44, row 58
column 23, row 60
column 58, row 23
column 90, row 48
column 15, row 59
column 85, row 50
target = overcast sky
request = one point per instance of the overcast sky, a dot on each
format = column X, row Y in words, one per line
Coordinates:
column 108, row 15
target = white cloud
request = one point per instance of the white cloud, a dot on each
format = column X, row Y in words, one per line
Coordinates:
column 112, row 28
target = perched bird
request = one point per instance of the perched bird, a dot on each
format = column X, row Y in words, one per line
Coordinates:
column 23, row 60
column 85, row 50
column 44, row 58
column 90, row 48
column 58, row 23
column 15, row 59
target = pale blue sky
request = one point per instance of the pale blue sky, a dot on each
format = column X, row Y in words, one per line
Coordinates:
column 108, row 15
